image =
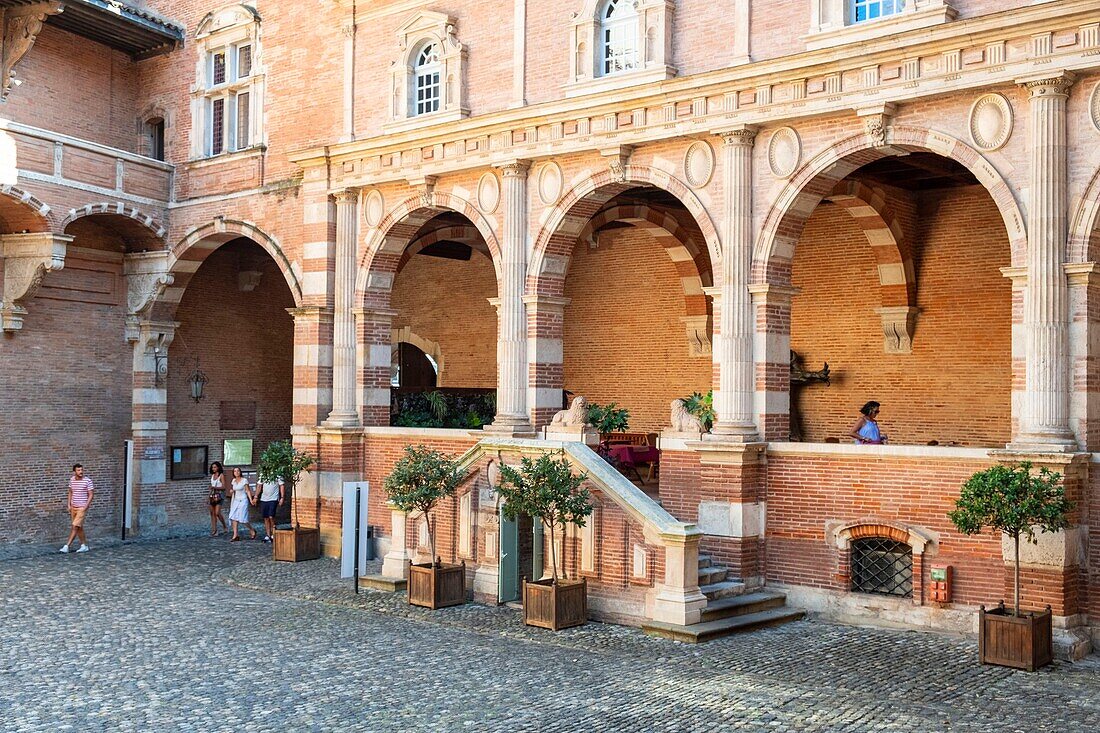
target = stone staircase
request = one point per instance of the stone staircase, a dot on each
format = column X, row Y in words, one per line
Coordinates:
column 729, row 610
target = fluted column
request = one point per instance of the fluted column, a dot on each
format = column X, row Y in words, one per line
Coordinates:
column 733, row 352
column 1046, row 301
column 511, row 414
column 343, row 320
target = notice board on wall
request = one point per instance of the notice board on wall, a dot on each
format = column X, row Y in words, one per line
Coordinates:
column 237, row 415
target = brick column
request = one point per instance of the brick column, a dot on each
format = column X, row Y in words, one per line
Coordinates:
column 149, row 426
column 733, row 400
column 374, row 359
column 731, row 507
column 511, row 417
column 1046, row 303
column 772, row 347
column 343, row 413
column 545, row 321
column 312, row 364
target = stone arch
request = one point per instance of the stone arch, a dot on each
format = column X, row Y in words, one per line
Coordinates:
column 116, row 209
column 819, row 176
column 405, row 335
column 200, row 241
column 463, row 234
column 689, row 258
column 898, row 532
column 33, row 213
column 570, row 215
column 874, row 216
column 386, row 245
column 1086, row 218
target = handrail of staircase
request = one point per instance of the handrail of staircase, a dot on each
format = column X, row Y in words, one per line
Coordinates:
column 632, row 500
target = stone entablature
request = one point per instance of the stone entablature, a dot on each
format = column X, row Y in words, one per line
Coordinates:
column 973, row 53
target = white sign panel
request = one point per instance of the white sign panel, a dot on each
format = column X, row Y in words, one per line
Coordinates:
column 347, row 545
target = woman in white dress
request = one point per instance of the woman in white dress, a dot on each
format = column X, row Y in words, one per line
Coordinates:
column 242, row 499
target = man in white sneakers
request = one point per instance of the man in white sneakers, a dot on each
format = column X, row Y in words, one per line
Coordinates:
column 271, row 498
column 81, row 490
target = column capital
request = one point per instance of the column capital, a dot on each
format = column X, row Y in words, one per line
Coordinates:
column 515, row 168
column 377, row 314
column 348, row 195
column 772, row 294
column 545, row 303
column 1054, row 84
column 739, row 136
column 149, row 335
column 311, row 313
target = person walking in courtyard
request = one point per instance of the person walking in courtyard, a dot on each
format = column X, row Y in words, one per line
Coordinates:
column 238, row 509
column 217, row 496
column 866, row 430
column 271, row 493
column 81, row 491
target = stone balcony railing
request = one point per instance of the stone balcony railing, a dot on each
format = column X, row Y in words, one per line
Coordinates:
column 45, row 157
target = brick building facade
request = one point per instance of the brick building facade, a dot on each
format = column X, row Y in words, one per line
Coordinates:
column 627, row 201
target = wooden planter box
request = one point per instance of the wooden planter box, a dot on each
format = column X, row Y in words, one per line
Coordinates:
column 437, row 587
column 1023, row 642
column 295, row 545
column 555, row 606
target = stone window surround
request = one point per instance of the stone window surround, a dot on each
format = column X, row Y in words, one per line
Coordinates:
column 230, row 27
column 918, row 540
column 831, row 23
column 424, row 28
column 654, row 51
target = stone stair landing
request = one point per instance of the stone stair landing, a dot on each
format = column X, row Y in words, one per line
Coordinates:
column 729, row 610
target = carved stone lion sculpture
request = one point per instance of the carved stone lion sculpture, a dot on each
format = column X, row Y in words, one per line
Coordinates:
column 683, row 421
column 575, row 416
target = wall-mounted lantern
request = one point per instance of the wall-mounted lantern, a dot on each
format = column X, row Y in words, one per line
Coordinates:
column 197, row 380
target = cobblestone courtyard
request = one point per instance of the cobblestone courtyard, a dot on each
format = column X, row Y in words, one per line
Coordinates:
column 173, row 635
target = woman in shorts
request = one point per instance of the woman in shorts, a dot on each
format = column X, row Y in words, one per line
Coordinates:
column 217, row 496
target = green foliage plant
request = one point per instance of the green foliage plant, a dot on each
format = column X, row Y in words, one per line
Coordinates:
column 608, row 418
column 282, row 460
column 1012, row 500
column 547, row 489
column 419, row 480
column 702, row 406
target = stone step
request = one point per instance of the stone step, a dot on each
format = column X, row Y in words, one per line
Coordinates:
column 706, row 631
column 743, row 605
column 382, row 582
column 705, row 561
column 713, row 574
column 725, row 589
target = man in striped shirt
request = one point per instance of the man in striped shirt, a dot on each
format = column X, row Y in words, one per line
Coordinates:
column 80, row 498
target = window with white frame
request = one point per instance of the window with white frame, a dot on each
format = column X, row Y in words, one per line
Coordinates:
column 428, row 74
column 617, row 43
column 618, row 37
column 227, row 98
column 426, row 90
column 864, row 10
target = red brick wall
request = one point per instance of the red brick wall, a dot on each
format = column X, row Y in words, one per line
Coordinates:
column 66, row 399
column 955, row 386
column 447, row 301
column 243, row 341
column 624, row 341
column 77, row 87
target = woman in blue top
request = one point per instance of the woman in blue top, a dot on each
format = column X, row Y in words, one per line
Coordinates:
column 866, row 431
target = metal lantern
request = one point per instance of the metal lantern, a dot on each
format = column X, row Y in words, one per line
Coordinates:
column 197, row 380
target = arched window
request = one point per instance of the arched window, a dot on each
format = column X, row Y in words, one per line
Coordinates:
column 882, row 565
column 426, row 86
column 618, row 37
column 154, row 138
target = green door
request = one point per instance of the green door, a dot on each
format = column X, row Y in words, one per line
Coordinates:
column 508, row 579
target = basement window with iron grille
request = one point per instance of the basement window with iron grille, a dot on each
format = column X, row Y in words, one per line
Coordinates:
column 882, row 566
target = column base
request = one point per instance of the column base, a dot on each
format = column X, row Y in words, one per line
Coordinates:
column 733, row 433
column 509, row 429
column 1043, row 443
column 341, row 420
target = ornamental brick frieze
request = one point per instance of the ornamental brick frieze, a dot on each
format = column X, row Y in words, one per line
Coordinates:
column 26, row 260
column 21, row 28
column 975, row 53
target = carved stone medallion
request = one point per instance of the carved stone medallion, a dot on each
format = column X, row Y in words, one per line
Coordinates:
column 1094, row 106
column 488, row 193
column 699, row 164
column 550, row 183
column 990, row 122
column 784, row 152
column 373, row 208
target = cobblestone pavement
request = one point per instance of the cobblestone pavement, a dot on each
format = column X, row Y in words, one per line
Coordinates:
column 174, row 636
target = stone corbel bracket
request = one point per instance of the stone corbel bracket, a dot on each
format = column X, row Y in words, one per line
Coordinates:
column 618, row 158
column 898, row 324
column 27, row 258
column 877, row 120
column 21, row 27
column 147, row 277
column 695, row 328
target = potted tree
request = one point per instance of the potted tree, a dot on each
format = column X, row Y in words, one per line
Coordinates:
column 419, row 480
column 1010, row 500
column 548, row 490
column 701, row 406
column 607, row 419
column 282, row 460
